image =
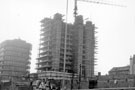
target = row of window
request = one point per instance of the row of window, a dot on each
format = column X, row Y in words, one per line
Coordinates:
column 16, row 53
column 10, row 68
column 14, row 58
column 12, row 73
column 16, row 49
column 16, row 63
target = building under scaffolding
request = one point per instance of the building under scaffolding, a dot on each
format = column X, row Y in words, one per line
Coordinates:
column 80, row 48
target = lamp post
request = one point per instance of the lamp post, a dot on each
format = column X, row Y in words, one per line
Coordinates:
column 12, row 78
column 72, row 77
column 80, row 77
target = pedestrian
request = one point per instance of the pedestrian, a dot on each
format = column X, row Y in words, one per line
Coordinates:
column 38, row 82
column 53, row 86
column 48, row 86
column 30, row 86
column 42, row 85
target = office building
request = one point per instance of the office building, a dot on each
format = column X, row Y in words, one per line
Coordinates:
column 14, row 59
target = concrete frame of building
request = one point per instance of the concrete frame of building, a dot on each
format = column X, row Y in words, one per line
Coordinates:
column 81, row 48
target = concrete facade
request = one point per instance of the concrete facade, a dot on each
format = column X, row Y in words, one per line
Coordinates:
column 14, row 59
column 84, row 45
column 51, row 52
column 80, row 46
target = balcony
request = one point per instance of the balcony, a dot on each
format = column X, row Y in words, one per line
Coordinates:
column 44, row 61
column 45, row 39
column 46, row 43
column 43, row 57
column 44, row 67
column 46, row 52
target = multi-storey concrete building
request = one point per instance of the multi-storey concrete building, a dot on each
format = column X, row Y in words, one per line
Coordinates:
column 120, row 70
column 84, row 43
column 52, row 45
column 80, row 47
column 14, row 59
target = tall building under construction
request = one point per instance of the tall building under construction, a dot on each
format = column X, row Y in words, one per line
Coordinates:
column 14, row 59
column 66, row 50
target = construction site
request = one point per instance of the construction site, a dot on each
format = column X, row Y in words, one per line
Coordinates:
column 67, row 57
column 71, row 54
column 67, row 51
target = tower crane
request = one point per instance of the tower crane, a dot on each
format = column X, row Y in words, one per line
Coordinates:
column 92, row 1
column 75, row 14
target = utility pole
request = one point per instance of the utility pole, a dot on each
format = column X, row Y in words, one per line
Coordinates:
column 72, row 72
column 12, row 70
column 72, row 80
column 79, row 87
column 65, row 46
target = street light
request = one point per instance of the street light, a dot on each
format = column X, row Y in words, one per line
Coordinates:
column 79, row 87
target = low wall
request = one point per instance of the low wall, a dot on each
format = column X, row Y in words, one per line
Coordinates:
column 116, row 81
column 120, row 88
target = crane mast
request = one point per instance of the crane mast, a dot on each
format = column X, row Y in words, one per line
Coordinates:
column 75, row 8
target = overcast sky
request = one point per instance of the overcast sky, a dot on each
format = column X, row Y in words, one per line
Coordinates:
column 116, row 26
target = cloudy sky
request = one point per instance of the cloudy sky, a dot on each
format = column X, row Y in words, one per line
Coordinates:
column 116, row 26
